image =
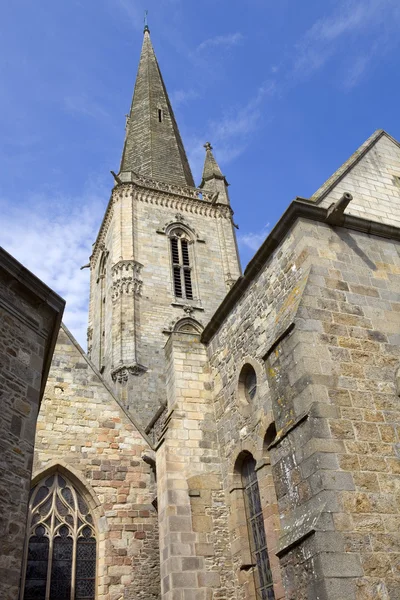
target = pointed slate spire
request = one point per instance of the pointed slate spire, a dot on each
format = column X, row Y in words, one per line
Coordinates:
column 212, row 179
column 153, row 146
column 211, row 169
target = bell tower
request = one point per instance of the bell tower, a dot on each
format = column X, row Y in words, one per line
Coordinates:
column 165, row 255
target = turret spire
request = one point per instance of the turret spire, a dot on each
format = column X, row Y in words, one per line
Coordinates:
column 213, row 180
column 153, row 145
column 211, row 168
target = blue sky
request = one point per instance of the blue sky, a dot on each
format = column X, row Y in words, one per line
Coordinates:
column 285, row 91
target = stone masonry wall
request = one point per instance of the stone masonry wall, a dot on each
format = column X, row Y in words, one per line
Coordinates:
column 195, row 553
column 329, row 385
column 29, row 316
column 82, row 429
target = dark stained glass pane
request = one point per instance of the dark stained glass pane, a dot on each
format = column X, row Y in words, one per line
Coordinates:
column 46, row 507
column 255, row 526
column 85, row 566
column 60, row 587
column 41, row 495
column 82, row 505
column 36, row 570
column 251, row 384
column 62, row 509
column 67, row 494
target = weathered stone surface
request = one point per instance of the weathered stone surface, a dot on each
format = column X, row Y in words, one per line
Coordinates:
column 30, row 314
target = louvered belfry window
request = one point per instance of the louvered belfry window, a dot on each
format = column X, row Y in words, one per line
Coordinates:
column 60, row 560
column 256, row 530
column 181, row 269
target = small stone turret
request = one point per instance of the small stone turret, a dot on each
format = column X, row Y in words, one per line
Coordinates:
column 213, row 180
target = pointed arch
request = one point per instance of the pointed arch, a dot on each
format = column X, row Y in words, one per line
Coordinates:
column 188, row 325
column 61, row 549
column 75, row 476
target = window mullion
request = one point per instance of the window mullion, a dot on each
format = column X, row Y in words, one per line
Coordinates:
column 51, row 542
column 74, row 544
column 73, row 568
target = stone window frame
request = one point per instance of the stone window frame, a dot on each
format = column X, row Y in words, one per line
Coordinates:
column 245, row 406
column 190, row 238
column 95, row 507
column 240, row 543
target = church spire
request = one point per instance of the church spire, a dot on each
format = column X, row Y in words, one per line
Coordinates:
column 153, row 146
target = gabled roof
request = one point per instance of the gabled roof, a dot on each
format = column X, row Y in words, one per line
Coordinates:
column 349, row 164
column 153, row 146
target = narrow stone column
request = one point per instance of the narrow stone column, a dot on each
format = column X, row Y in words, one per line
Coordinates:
column 188, row 475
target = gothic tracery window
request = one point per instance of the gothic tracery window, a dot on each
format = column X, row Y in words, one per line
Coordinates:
column 256, row 530
column 181, row 267
column 60, row 560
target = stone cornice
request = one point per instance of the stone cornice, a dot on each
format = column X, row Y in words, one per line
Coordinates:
column 299, row 208
column 190, row 200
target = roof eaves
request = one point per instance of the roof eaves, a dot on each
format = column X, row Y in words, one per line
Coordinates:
column 299, row 208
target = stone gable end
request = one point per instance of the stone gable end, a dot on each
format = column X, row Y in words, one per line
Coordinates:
column 373, row 181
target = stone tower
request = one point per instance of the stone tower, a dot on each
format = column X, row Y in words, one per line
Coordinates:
column 165, row 256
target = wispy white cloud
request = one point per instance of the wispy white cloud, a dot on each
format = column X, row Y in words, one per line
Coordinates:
column 253, row 239
column 225, row 41
column 131, row 9
column 342, row 31
column 242, row 120
column 82, row 104
column 53, row 241
column 231, row 133
column 179, row 97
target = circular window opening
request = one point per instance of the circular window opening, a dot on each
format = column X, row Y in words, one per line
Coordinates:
column 247, row 383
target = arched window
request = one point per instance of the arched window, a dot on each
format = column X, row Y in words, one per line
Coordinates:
column 256, row 530
column 181, row 265
column 60, row 559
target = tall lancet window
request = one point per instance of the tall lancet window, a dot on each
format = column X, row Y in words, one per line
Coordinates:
column 256, row 530
column 60, row 555
column 181, row 265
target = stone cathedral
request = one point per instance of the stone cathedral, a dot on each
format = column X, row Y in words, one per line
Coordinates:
column 227, row 436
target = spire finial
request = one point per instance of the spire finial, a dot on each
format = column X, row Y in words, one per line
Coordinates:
column 146, row 26
column 208, row 146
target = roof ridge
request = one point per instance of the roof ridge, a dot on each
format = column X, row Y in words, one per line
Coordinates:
column 338, row 175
